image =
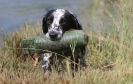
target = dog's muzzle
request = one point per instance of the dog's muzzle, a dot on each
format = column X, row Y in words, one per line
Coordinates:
column 53, row 35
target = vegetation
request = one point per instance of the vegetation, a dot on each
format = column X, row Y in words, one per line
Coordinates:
column 110, row 56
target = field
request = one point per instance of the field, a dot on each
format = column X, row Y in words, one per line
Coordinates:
column 110, row 56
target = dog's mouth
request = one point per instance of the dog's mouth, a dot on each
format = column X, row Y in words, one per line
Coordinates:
column 54, row 35
column 55, row 38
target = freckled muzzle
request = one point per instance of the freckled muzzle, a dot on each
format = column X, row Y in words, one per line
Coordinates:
column 55, row 34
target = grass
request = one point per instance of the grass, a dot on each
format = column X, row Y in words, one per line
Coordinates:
column 110, row 56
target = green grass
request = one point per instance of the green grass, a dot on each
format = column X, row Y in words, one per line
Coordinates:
column 110, row 56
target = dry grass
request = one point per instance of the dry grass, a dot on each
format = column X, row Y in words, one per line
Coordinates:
column 110, row 57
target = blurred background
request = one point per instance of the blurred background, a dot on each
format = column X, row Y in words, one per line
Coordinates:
column 94, row 15
column 17, row 12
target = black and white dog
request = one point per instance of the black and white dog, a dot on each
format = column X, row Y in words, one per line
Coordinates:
column 54, row 25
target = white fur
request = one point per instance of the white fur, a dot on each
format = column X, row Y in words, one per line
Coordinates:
column 57, row 16
column 47, row 35
column 46, row 61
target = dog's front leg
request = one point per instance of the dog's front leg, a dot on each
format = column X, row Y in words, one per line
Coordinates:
column 46, row 62
column 81, row 57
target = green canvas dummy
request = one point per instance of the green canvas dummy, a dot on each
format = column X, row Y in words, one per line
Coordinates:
column 40, row 43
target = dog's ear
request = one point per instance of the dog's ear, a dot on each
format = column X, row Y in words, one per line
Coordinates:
column 44, row 25
column 75, row 22
column 44, row 21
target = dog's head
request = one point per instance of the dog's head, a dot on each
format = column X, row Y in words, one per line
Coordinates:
column 57, row 21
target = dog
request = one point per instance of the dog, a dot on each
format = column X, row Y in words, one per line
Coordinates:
column 54, row 24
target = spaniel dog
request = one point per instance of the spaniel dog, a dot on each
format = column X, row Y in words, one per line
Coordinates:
column 55, row 23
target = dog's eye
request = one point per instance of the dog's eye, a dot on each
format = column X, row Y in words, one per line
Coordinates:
column 62, row 21
column 50, row 20
column 58, row 29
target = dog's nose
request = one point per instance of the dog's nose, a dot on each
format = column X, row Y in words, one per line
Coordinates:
column 53, row 35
